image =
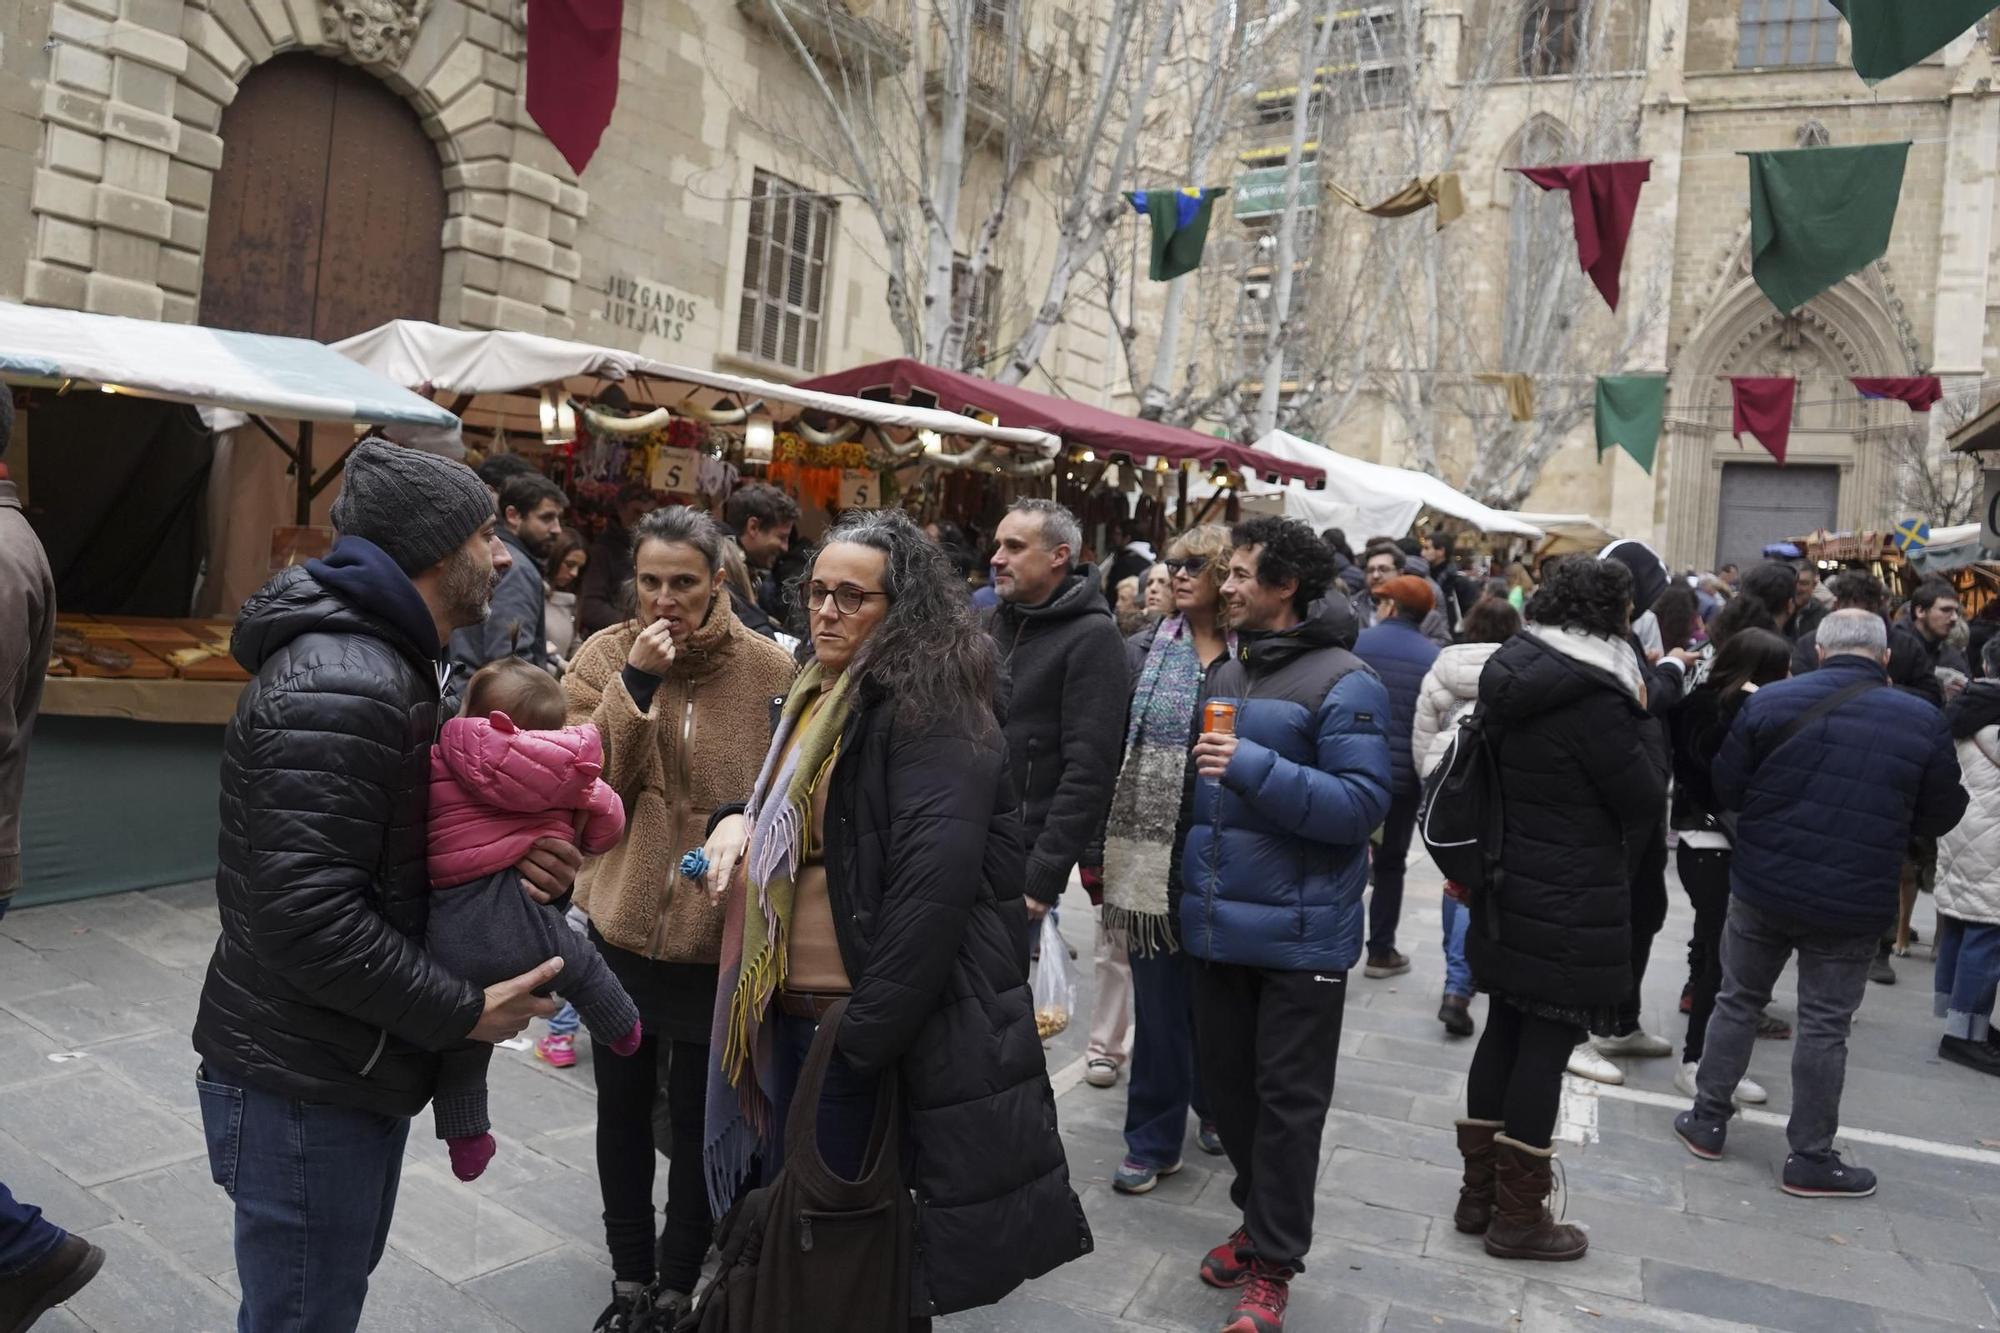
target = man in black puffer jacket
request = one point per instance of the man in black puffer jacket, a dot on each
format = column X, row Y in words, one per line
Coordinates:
column 321, row 1014
column 1066, row 687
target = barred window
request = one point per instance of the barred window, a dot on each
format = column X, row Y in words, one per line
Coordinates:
column 1787, row 32
column 1550, row 33
column 784, row 273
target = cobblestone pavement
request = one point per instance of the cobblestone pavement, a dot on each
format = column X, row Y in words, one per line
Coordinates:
column 99, row 1125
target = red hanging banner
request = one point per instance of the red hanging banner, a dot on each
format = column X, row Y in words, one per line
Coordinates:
column 1763, row 410
column 1603, row 197
column 573, row 72
column 1919, row 391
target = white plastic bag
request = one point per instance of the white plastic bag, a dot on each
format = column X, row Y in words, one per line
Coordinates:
column 1055, row 985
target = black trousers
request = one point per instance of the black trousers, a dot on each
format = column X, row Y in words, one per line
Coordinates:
column 1517, row 1072
column 1649, row 913
column 1705, row 878
column 1267, row 1042
column 625, row 1092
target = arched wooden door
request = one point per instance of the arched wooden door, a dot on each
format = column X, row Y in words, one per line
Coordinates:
column 327, row 216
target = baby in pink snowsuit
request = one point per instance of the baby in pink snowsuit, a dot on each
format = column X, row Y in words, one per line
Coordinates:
column 504, row 773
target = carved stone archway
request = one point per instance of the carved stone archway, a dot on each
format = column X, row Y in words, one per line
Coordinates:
column 130, row 149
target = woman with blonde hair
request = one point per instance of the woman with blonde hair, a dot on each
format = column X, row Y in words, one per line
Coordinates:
column 1142, row 872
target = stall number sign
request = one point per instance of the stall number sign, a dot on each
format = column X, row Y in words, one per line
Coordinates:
column 676, row 470
column 859, row 489
column 654, row 309
column 1989, row 513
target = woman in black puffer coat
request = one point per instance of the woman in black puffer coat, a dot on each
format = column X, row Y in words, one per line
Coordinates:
column 1551, row 941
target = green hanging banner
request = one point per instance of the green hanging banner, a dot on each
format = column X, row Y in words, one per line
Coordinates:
column 1180, row 227
column 1630, row 411
column 1892, row 35
column 1819, row 214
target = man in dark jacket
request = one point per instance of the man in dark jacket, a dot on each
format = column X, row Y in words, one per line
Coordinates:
column 762, row 520
column 1395, row 647
column 1858, row 590
column 600, row 599
column 321, row 1015
column 1832, row 774
column 1275, row 861
column 516, row 624
column 1066, row 688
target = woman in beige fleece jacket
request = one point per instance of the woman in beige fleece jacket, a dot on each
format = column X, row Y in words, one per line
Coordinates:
column 682, row 695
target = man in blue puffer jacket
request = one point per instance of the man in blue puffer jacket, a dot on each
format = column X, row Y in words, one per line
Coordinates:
column 1395, row 648
column 1274, row 866
column 1832, row 774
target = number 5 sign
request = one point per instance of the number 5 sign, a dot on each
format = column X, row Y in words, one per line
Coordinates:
column 675, row 470
column 859, row 489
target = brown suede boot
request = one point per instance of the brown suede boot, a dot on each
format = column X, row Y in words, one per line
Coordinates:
column 1475, row 1196
column 1522, row 1227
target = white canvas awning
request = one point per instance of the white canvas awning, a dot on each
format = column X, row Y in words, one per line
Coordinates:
column 495, row 380
column 294, row 379
column 1369, row 499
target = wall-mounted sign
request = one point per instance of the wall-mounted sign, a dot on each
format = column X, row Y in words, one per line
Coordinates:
column 655, row 310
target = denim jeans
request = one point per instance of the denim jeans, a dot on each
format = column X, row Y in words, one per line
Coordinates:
column 315, row 1189
column 1457, row 972
column 566, row 1021
column 1164, row 1082
column 26, row 1237
column 1833, row 976
column 1968, row 965
column 846, row 1104
column 1392, row 858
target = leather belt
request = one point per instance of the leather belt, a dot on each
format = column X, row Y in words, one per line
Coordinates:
column 805, row 1004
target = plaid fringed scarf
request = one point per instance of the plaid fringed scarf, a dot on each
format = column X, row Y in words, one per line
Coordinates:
column 755, row 924
column 1146, row 802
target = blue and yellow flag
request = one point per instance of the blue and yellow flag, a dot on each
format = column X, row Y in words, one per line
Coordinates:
column 1180, row 227
column 1912, row 534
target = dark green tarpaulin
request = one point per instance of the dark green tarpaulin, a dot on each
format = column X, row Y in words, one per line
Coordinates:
column 1630, row 412
column 1819, row 214
column 1892, row 35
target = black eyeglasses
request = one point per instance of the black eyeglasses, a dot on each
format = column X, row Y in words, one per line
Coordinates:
column 847, row 599
column 1190, row 566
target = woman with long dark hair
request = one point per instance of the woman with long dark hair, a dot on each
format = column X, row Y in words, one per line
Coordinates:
column 1749, row 658
column 1566, row 700
column 884, row 867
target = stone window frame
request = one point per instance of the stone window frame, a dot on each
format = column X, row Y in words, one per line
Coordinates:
column 131, row 117
column 1551, row 37
column 1815, row 21
column 762, row 308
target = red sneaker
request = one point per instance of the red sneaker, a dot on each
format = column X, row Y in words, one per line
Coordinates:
column 1227, row 1265
column 1261, row 1308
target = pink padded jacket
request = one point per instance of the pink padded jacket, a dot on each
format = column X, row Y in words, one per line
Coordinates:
column 495, row 789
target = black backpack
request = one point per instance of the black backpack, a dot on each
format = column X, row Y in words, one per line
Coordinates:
column 1459, row 815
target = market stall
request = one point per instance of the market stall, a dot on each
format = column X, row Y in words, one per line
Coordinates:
column 121, row 786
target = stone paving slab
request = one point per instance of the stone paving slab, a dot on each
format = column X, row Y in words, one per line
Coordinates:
column 110, row 1144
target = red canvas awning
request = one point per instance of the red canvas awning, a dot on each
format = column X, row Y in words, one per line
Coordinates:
column 1102, row 432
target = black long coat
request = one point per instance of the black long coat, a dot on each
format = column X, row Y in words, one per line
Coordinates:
column 933, row 950
column 1582, row 785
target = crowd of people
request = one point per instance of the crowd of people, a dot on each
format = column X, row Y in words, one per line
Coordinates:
column 778, row 827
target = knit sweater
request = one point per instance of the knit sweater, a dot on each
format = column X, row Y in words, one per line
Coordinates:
column 696, row 744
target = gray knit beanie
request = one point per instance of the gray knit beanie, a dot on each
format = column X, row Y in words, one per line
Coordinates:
column 417, row 507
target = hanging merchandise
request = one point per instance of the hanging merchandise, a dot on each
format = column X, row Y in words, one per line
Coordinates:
column 1891, row 35
column 1762, row 408
column 1180, row 227
column 1820, row 214
column 1919, row 391
column 1520, row 391
column 1912, row 534
column 1603, row 197
column 1440, row 192
column 573, row 72
column 1630, row 412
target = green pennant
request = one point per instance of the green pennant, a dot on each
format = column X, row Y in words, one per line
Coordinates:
column 1630, row 411
column 1180, row 229
column 1892, row 35
column 1819, row 214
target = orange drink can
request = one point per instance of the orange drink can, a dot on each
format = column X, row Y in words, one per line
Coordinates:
column 1219, row 717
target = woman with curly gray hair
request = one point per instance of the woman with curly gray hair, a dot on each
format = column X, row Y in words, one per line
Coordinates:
column 1565, row 701
column 883, row 874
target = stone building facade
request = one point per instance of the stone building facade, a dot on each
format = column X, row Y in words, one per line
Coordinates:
column 115, row 126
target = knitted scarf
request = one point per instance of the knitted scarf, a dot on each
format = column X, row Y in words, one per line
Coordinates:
column 1146, row 800
column 755, row 924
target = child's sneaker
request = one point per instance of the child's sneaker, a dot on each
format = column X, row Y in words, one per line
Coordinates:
column 558, row 1049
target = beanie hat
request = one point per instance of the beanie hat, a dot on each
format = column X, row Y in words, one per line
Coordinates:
column 417, row 507
column 1649, row 572
column 1411, row 595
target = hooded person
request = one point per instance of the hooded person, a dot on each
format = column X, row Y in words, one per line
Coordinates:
column 1649, row 580
column 322, row 1016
